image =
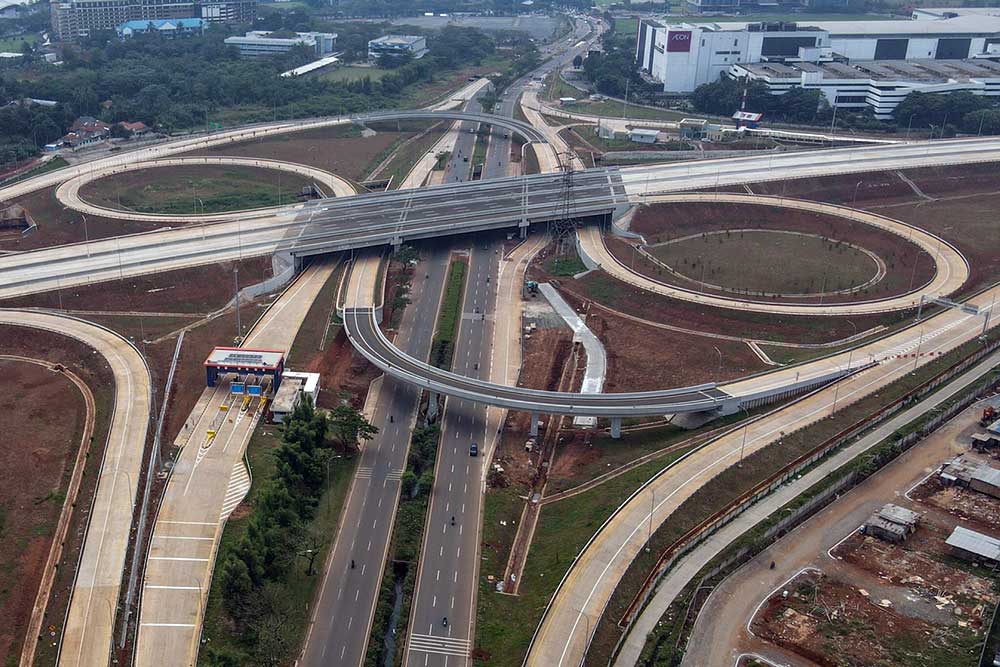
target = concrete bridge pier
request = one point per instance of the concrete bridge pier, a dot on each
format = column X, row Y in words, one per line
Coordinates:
column 534, row 425
column 523, row 226
column 616, row 427
column 432, row 407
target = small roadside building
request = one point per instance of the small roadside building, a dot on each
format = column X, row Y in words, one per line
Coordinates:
column 892, row 523
column 643, row 136
column 294, row 385
column 975, row 547
column 986, row 479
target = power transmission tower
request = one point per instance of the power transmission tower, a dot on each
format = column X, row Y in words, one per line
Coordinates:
column 565, row 223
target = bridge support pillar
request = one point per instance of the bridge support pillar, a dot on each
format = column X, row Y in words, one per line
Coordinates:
column 432, row 407
column 523, row 225
column 616, row 427
column 396, row 242
column 534, row 424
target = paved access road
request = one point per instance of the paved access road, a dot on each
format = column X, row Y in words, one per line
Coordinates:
column 376, row 219
column 208, row 481
column 341, row 620
column 86, row 638
column 951, row 267
column 719, row 634
column 69, row 192
column 583, row 595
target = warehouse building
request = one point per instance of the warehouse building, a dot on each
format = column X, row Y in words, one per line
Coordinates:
column 393, row 46
column 73, row 19
column 261, row 44
column 868, row 59
column 879, row 85
column 972, row 546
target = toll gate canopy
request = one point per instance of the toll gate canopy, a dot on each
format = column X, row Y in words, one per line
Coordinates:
column 245, row 361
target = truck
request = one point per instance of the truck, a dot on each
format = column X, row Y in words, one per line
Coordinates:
column 989, row 416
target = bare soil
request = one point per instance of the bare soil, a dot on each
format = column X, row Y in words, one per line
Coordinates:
column 833, row 624
column 645, row 358
column 44, row 441
column 339, row 149
column 825, row 271
column 922, row 575
column 199, row 289
column 59, row 226
column 971, row 507
column 45, row 417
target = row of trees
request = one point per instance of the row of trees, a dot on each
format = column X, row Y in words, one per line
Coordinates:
column 23, row 129
column 725, row 96
column 254, row 571
column 613, row 69
column 181, row 83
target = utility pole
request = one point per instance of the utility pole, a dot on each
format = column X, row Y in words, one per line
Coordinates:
column 236, row 279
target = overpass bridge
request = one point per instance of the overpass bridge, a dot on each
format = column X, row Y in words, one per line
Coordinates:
column 361, row 325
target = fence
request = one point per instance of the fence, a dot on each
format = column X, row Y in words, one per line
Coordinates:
column 703, row 530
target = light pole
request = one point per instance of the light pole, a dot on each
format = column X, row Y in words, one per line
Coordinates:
column 718, row 374
column 854, row 200
column 920, row 341
column 743, row 445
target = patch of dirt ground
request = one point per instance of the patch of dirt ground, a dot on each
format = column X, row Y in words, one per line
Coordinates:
column 833, row 624
column 199, row 289
column 43, row 425
column 339, row 149
column 966, row 504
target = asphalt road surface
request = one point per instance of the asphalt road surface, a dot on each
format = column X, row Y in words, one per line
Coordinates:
column 342, row 618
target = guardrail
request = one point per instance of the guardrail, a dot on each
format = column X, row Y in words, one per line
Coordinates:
column 735, row 507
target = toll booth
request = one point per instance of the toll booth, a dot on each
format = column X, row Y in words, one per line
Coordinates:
column 251, row 366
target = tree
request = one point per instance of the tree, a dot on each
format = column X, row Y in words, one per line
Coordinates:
column 578, row 61
column 348, row 426
column 937, row 109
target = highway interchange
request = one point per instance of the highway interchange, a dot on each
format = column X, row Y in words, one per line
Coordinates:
column 447, row 582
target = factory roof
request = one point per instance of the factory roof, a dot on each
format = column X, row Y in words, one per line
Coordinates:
column 898, row 515
column 923, row 70
column 396, row 40
column 975, row 543
column 984, row 24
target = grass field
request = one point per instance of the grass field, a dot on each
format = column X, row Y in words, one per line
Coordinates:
column 353, row 73
column 195, row 189
column 505, row 624
column 745, row 262
column 447, row 324
column 13, row 44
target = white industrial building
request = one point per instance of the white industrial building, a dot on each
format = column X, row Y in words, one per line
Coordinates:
column 260, row 43
column 413, row 46
column 686, row 55
column 878, row 84
column 294, row 385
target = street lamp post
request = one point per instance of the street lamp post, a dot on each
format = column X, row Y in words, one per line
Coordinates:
column 743, row 445
column 718, row 374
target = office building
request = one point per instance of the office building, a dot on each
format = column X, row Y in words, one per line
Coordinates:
column 397, row 45
column 854, row 63
column 73, row 19
column 261, row 43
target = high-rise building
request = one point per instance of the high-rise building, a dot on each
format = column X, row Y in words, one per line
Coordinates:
column 73, row 19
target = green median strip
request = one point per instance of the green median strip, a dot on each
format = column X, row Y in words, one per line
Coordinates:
column 443, row 346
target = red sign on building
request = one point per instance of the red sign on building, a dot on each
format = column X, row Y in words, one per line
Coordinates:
column 679, row 40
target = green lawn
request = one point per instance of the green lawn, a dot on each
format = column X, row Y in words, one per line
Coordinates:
column 505, row 623
column 13, row 44
column 353, row 73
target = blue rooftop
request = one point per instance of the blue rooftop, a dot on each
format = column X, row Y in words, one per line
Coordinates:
column 159, row 24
